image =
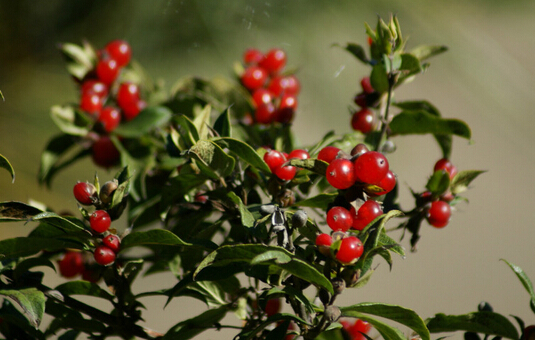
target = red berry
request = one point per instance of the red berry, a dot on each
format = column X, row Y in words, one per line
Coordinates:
column 324, row 240
column 284, row 114
column 104, row 152
column 71, row 264
column 85, row 193
column 328, row 153
column 280, row 85
column 446, row 165
column 288, row 101
column 127, row 94
column 299, row 154
column 339, row 219
column 94, row 86
column 252, row 56
column 254, row 77
column 351, row 249
column 370, row 41
column 439, row 214
column 274, row 159
column 371, row 167
column 107, row 70
column 91, row 103
column 110, row 117
column 120, row 51
column 100, row 221
column 262, row 96
column 363, row 120
column 104, row 255
column 113, row 242
column 132, row 110
column 286, row 173
column 340, row 173
column 273, row 61
column 358, row 328
column 273, row 306
column 387, row 183
column 360, row 99
column 367, row 212
column 265, row 114
column 366, row 85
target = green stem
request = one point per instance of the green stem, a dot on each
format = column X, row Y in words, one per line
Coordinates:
column 386, row 108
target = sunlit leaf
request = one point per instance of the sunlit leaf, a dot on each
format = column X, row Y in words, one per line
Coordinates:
column 4, row 163
column 32, row 302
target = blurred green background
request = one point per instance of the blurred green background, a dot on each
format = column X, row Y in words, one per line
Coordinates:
column 486, row 78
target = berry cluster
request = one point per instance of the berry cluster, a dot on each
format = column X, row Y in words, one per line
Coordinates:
column 107, row 102
column 356, row 329
column 438, row 210
column 364, row 119
column 276, row 161
column 274, row 94
column 346, row 248
column 100, row 220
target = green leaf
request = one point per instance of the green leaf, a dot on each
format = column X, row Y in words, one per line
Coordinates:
column 148, row 119
column 70, row 121
column 418, row 105
column 80, row 59
column 421, row 122
column 211, row 159
column 320, row 201
column 247, row 218
column 477, row 322
column 26, row 246
column 4, row 163
column 379, row 79
column 222, row 124
column 410, row 64
column 315, row 165
column 245, row 253
column 357, row 51
column 462, row 180
column 189, row 328
column 32, row 302
column 386, row 331
column 427, row 51
column 399, row 314
column 27, row 264
column 18, row 211
column 244, row 151
column 438, row 183
column 202, row 120
column 524, row 279
column 154, row 237
column 445, row 143
column 84, row 288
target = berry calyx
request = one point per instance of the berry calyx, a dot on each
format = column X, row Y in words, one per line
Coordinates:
column 339, row 219
column 329, row 153
column 107, row 190
column 104, row 255
column 120, row 51
column 371, row 167
column 340, row 173
column 85, row 193
column 113, row 242
column 71, row 264
column 100, row 221
column 351, row 249
column 439, row 214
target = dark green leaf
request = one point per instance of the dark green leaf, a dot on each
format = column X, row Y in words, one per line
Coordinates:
column 427, row 51
column 410, row 64
column 222, row 124
column 247, row 218
column 524, row 279
column 444, row 141
column 320, row 201
column 18, row 211
column 244, row 151
column 418, row 105
column 4, row 163
column 154, row 237
column 32, row 302
column 438, row 183
column 421, row 122
column 27, row 264
column 477, row 322
column 315, row 165
column 357, row 51
column 386, row 331
column 188, row 329
column 187, row 130
column 84, row 288
column 209, row 154
column 399, row 314
column 245, row 253
column 148, row 119
column 462, row 180
column 379, row 79
column 26, row 246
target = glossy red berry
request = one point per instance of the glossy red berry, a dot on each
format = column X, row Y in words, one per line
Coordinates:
column 387, row 183
column 446, row 165
column 286, row 173
column 91, row 103
column 104, row 255
column 371, row 167
column 366, row 85
column 274, row 159
column 367, row 212
column 113, row 242
column 439, row 214
column 94, row 86
column 273, row 61
column 254, row 77
column 110, row 117
column 252, row 56
column 273, row 306
column 280, row 85
column 363, row 120
column 357, row 329
column 71, row 264
column 324, row 240
column 104, row 152
column 328, row 153
column 262, row 96
column 351, row 249
column 120, row 51
column 299, row 154
column 340, row 173
column 100, row 221
column 127, row 94
column 107, row 70
column 339, row 219
column 265, row 114
column 132, row 110
column 85, row 193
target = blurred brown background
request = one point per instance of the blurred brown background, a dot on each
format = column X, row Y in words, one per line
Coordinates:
column 486, row 78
